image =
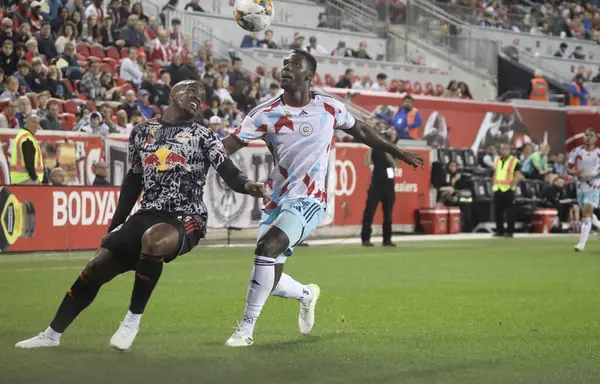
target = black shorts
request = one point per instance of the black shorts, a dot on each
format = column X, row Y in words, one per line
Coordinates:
column 125, row 241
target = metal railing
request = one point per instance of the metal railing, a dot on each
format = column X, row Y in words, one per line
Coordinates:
column 459, row 41
column 345, row 16
column 477, row 16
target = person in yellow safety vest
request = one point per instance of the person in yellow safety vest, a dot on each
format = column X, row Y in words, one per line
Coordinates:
column 507, row 174
column 26, row 160
column 538, row 89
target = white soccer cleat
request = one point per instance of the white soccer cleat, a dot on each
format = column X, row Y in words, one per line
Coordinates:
column 306, row 318
column 39, row 341
column 240, row 338
column 579, row 248
column 124, row 337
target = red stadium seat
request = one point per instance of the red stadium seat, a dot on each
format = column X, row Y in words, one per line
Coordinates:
column 393, row 86
column 120, row 82
column 98, row 51
column 429, row 89
column 83, row 49
column 32, row 99
column 106, row 67
column 126, row 87
column 67, row 120
column 112, row 53
column 439, row 89
column 91, row 105
column 81, row 96
column 417, row 88
column 407, row 87
column 71, row 107
column 260, row 70
column 110, row 60
column 329, row 80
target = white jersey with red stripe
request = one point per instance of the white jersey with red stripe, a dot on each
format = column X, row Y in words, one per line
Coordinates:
column 299, row 137
column 589, row 161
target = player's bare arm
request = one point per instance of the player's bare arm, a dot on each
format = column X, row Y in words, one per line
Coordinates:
column 232, row 144
column 238, row 182
column 369, row 136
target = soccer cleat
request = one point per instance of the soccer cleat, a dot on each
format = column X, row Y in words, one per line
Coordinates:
column 306, row 318
column 124, row 337
column 579, row 248
column 39, row 341
column 240, row 338
column 367, row 244
column 389, row 244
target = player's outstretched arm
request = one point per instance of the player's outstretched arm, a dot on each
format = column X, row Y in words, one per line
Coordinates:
column 369, row 136
column 239, row 183
column 130, row 192
column 232, row 144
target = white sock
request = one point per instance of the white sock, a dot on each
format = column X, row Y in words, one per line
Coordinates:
column 259, row 288
column 290, row 288
column 133, row 318
column 586, row 227
column 51, row 333
column 595, row 221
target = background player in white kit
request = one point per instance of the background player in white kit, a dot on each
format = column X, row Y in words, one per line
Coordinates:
column 298, row 127
column 584, row 163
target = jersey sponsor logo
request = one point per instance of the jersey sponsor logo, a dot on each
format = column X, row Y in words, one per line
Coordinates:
column 183, row 137
column 346, row 178
column 164, row 159
column 306, row 129
column 303, row 113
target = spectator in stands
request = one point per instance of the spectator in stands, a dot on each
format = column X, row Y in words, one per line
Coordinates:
column 380, row 85
column 95, row 125
column 551, row 198
column 162, row 53
column 113, row 12
column 138, row 10
column 596, row 78
column 90, row 84
column 341, row 50
column 23, row 68
column 130, row 72
column 274, row 91
column 143, row 104
column 152, row 30
column 243, row 97
column 101, row 173
column 487, row 161
column 176, row 34
column 250, row 40
column 8, row 32
column 12, row 92
column 559, row 167
column 163, row 88
column 298, row 43
column 20, row 51
column 149, row 82
column 124, row 11
column 193, row 5
column 60, row 20
column 536, row 165
column 3, row 86
column 123, row 125
column 214, row 108
column 465, row 92
column 25, row 33
column 133, row 33
column 129, row 103
column 108, row 35
column 54, row 83
column 185, row 49
column 36, row 78
column 91, row 31
column 346, row 81
column 577, row 53
column 214, row 123
column 221, row 89
column 362, row 51
column 512, row 50
column 315, row 48
column 179, row 71
column 578, row 93
column 407, row 120
column 538, row 87
column 50, row 122
column 562, row 51
column 111, row 91
column 526, row 151
column 77, row 21
column 451, row 184
column 67, row 34
column 35, row 16
column 8, row 117
column 268, row 42
column 32, row 49
column 50, row 9
column 23, row 109
column 237, row 72
column 363, row 84
column 452, row 90
column 95, row 9
column 68, row 63
column 57, row 177
column 323, row 22
column 8, row 61
column 42, row 104
column 46, row 45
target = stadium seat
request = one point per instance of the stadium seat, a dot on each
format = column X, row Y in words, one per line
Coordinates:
column 67, row 120
column 439, row 89
column 429, row 91
column 69, row 86
column 71, row 107
column 329, row 80
column 111, row 52
column 124, row 52
column 83, row 49
column 260, row 70
column 445, row 156
column 91, row 105
column 32, row 99
column 482, row 200
column 126, row 87
column 106, row 67
column 417, row 88
column 98, row 51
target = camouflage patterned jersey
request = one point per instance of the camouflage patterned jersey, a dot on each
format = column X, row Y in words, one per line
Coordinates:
column 174, row 161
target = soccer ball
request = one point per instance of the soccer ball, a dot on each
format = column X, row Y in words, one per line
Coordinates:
column 253, row 15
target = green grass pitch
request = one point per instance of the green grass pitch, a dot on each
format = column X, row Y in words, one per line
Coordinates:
column 497, row 311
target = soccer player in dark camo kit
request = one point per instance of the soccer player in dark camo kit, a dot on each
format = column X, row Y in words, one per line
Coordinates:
column 169, row 159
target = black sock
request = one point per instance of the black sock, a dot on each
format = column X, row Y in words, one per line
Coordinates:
column 147, row 273
column 82, row 293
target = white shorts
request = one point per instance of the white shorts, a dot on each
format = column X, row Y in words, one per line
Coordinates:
column 297, row 218
column 589, row 197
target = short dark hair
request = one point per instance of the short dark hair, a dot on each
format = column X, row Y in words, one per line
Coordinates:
column 381, row 76
column 348, row 71
column 176, row 22
column 45, row 23
column 163, row 71
column 236, row 60
column 268, row 30
column 590, row 129
column 563, row 45
column 408, row 97
column 312, row 62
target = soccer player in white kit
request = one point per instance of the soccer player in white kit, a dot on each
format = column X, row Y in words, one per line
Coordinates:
column 298, row 127
column 584, row 163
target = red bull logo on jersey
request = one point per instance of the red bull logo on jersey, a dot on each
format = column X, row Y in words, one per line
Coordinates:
column 164, row 159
